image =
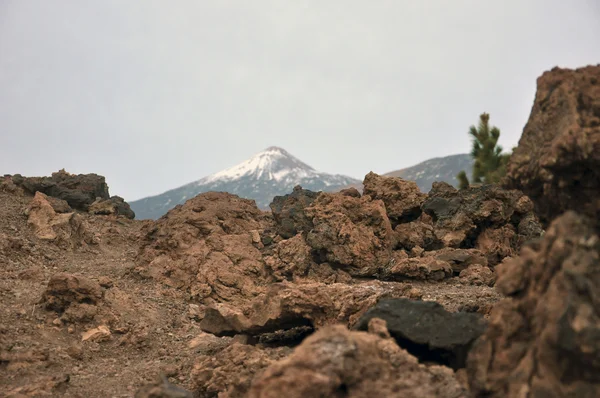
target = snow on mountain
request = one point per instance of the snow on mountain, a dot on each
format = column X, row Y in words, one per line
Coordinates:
column 274, row 163
column 265, row 175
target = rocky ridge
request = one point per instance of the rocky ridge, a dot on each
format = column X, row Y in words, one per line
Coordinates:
column 543, row 338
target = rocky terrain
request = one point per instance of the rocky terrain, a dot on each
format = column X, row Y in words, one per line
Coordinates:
column 389, row 292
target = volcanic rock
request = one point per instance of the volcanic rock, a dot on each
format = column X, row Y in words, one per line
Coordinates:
column 557, row 161
column 287, row 305
column 427, row 330
column 355, row 193
column 230, row 372
column 459, row 259
column 66, row 289
column 289, row 212
column 418, row 268
column 402, row 198
column 544, row 340
column 335, row 362
column 292, row 257
column 79, row 191
column 65, row 229
column 485, row 218
column 101, row 333
column 476, row 274
column 206, row 247
column 7, row 184
column 116, row 205
column 418, row 233
column 59, row 205
column 351, row 233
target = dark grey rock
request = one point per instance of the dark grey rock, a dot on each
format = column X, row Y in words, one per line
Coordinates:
column 78, row 190
column 427, row 330
column 288, row 211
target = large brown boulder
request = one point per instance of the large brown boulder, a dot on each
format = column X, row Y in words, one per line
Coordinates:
column 402, row 198
column 292, row 260
column 351, row 233
column 544, row 340
column 286, row 306
column 557, row 162
column 418, row 233
column 208, row 247
column 335, row 362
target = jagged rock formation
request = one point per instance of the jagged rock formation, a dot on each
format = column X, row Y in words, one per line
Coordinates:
column 289, row 214
column 355, row 234
column 402, row 198
column 226, row 300
column 221, row 248
column 487, row 218
column 287, row 306
column 557, row 162
column 335, row 362
column 265, row 281
column 543, row 339
column 208, row 247
column 85, row 192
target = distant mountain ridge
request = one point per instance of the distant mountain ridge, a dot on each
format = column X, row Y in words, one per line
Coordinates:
column 275, row 171
column 265, row 175
column 437, row 169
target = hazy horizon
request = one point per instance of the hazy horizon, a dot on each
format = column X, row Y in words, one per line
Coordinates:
column 154, row 95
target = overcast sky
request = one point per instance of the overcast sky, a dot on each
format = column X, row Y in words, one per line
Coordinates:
column 155, row 94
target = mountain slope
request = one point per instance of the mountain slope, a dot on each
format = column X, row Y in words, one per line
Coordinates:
column 437, row 169
column 269, row 173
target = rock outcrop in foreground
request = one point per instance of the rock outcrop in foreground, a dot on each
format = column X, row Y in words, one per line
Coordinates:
column 335, row 362
column 557, row 162
column 544, row 339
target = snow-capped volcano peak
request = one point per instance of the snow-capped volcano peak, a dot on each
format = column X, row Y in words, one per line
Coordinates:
column 266, row 174
column 273, row 163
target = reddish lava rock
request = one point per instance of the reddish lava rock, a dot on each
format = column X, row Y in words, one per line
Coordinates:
column 557, row 162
